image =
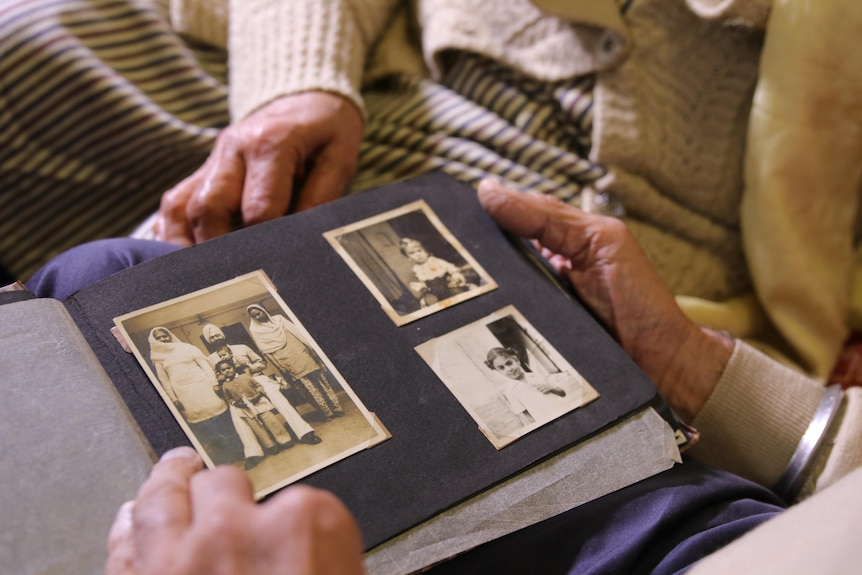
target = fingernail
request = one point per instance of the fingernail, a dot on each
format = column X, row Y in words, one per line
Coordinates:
column 124, row 514
column 122, row 526
column 180, row 453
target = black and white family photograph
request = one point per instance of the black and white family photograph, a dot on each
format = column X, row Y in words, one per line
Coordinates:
column 410, row 262
column 508, row 378
column 247, row 383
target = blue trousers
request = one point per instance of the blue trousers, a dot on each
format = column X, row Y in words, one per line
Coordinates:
column 661, row 525
column 87, row 263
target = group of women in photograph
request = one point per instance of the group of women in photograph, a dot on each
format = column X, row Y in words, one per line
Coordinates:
column 230, row 406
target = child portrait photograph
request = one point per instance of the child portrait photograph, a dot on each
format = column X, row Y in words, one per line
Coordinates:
column 410, row 262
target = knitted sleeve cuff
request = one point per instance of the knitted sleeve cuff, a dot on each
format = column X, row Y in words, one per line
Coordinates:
column 753, row 13
column 755, row 417
column 291, row 46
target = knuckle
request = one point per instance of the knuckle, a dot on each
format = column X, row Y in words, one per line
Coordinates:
column 611, row 230
column 328, row 511
column 256, row 210
column 171, row 203
column 221, row 523
column 265, row 139
column 197, row 207
column 227, row 139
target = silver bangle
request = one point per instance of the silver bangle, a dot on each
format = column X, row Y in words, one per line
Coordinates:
column 794, row 475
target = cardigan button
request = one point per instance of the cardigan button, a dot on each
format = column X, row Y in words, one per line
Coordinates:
column 608, row 48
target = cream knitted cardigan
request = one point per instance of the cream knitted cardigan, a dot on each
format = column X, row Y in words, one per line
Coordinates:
column 670, row 116
column 670, row 119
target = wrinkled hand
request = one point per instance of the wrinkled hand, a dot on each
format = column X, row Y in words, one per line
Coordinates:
column 306, row 144
column 186, row 521
column 614, row 277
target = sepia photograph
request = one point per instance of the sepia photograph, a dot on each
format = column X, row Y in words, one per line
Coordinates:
column 509, row 379
column 410, row 262
column 247, row 383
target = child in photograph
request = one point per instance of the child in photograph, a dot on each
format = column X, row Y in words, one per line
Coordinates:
column 250, row 400
column 252, row 450
column 436, row 278
column 243, row 356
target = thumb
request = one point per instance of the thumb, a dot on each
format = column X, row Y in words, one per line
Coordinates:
column 559, row 227
column 122, row 553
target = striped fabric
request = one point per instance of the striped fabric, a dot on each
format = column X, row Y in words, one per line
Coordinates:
column 102, row 107
column 482, row 120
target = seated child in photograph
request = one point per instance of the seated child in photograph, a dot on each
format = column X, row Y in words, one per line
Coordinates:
column 436, row 278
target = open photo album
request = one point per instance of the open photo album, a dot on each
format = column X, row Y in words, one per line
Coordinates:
column 395, row 347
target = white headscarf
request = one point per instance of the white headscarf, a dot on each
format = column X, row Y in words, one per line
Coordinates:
column 173, row 350
column 268, row 335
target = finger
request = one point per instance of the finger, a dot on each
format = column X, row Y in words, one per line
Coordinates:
column 121, row 543
column 328, row 179
column 218, row 489
column 533, row 216
column 172, row 224
column 268, row 187
column 211, row 209
column 163, row 508
column 325, row 534
column 587, row 239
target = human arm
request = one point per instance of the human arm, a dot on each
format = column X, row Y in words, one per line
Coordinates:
column 296, row 68
column 255, row 389
column 165, row 380
column 752, row 411
column 292, row 329
column 759, row 411
column 548, row 383
column 188, row 520
column 256, row 363
column 207, row 368
column 549, row 389
column 613, row 276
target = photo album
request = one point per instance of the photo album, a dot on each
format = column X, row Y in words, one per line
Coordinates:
column 395, row 347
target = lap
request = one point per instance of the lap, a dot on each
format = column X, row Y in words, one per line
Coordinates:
column 663, row 524
column 88, row 263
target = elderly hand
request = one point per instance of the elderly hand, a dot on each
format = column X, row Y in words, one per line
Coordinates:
column 614, row 277
column 186, row 520
column 295, row 152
